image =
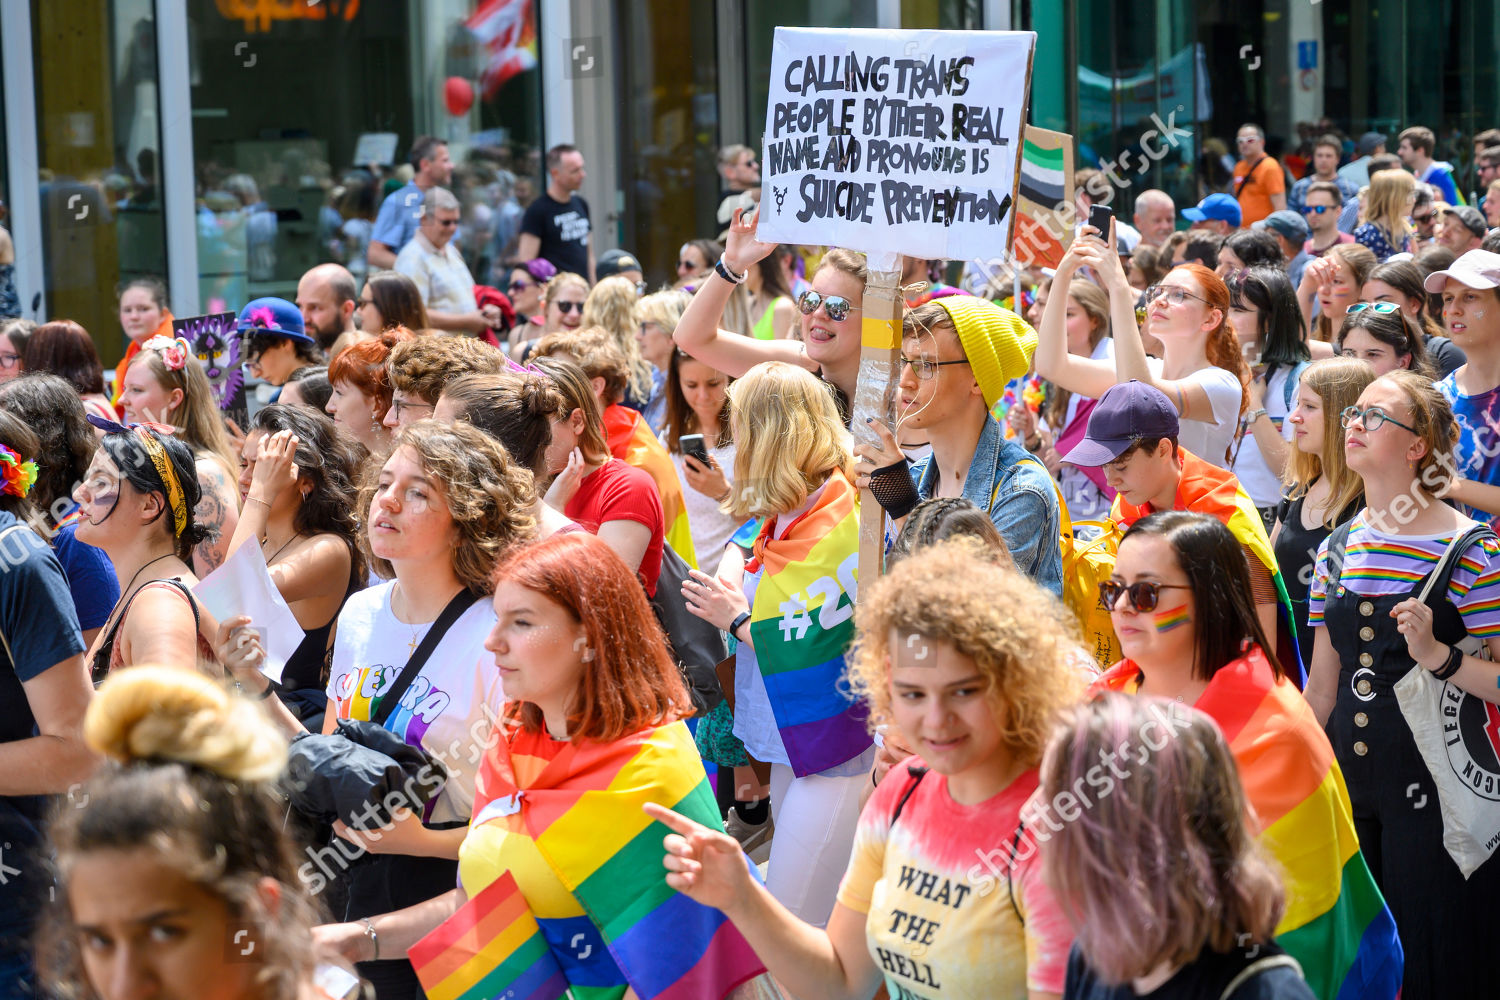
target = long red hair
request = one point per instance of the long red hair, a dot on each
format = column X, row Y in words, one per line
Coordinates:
column 1223, row 349
column 632, row 682
column 363, row 366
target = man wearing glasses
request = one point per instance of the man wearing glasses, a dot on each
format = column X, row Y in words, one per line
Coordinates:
column 1321, row 205
column 1259, row 184
column 438, row 270
column 739, row 168
column 1132, row 437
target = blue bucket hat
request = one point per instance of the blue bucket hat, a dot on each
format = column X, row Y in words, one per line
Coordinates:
column 272, row 317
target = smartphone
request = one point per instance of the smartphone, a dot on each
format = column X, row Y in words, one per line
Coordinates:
column 1099, row 216
column 692, row 444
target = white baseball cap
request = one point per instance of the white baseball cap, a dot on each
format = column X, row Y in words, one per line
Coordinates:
column 1477, row 269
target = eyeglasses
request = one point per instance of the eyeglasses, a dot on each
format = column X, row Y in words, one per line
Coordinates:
column 519, row 286
column 567, row 307
column 1316, row 209
column 401, row 404
column 1143, row 595
column 8, row 360
column 1174, row 294
column 1372, row 417
column 446, row 223
column 836, row 306
column 640, row 288
column 1383, row 308
column 924, row 369
column 687, row 265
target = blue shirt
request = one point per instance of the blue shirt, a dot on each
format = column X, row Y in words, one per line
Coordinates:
column 91, row 578
column 399, row 214
column 1297, row 196
column 1019, row 494
column 40, row 631
column 1475, row 454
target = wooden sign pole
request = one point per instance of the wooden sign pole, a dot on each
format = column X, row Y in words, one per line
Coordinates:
column 880, row 332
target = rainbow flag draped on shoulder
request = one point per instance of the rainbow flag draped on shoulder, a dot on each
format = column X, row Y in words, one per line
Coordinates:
column 581, row 806
column 802, row 622
column 632, row 442
column 1208, row 489
column 1336, row 925
column 491, row 947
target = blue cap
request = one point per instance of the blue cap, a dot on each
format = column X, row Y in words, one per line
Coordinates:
column 1124, row 415
column 273, row 317
column 1216, row 206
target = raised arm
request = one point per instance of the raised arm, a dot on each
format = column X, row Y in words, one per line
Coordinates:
column 1053, row 362
column 698, row 332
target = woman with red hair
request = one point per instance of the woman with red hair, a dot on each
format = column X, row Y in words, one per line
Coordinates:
column 65, row 349
column 585, row 713
column 362, row 389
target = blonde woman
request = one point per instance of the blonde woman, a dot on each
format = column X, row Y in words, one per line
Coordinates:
column 562, row 301
column 794, row 468
column 1386, row 230
column 1320, row 490
column 656, row 317
column 166, row 385
column 611, row 306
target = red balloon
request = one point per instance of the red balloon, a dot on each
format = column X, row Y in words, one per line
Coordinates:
column 458, row 93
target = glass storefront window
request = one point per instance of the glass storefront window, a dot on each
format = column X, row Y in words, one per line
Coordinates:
column 98, row 147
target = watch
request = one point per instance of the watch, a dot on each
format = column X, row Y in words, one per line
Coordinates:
column 739, row 620
column 1254, row 415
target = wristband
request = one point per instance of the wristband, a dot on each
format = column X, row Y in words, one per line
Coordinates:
column 893, row 489
column 1450, row 665
column 739, row 620
column 728, row 275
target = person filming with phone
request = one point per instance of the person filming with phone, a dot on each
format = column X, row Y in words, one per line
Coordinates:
column 697, row 437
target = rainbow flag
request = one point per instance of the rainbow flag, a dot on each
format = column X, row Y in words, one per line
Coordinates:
column 802, row 622
column 491, row 947
column 631, row 441
column 1336, row 925
column 581, row 805
column 1208, row 489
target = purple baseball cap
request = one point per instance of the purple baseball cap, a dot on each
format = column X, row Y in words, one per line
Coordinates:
column 1124, row 415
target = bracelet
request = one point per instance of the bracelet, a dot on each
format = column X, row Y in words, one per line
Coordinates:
column 739, row 620
column 264, row 503
column 1450, row 665
column 1032, row 444
column 728, row 275
column 270, row 690
column 374, row 938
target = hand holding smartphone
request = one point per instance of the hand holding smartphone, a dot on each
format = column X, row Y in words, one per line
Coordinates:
column 692, row 445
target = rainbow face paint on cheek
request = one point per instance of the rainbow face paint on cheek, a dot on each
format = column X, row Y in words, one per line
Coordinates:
column 1171, row 619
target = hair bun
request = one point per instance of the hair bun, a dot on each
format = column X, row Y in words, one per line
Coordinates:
column 171, row 715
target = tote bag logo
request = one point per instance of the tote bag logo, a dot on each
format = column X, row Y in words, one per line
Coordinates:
column 1471, row 733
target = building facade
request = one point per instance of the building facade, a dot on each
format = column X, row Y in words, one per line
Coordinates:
column 228, row 145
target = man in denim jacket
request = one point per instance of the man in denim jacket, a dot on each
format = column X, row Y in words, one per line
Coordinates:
column 957, row 355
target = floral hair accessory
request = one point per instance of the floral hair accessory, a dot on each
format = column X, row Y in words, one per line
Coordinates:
column 174, row 351
column 18, row 476
column 263, row 317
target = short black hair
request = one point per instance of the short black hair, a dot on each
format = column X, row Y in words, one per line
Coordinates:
column 556, row 153
column 424, row 147
column 256, row 344
column 1255, row 247
column 1203, row 247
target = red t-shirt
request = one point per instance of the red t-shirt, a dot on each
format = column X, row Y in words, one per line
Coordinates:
column 619, row 492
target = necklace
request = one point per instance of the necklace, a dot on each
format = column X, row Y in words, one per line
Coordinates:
column 272, row 558
column 416, row 630
column 125, row 594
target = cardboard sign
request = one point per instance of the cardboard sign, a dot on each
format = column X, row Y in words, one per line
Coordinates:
column 216, row 344
column 1044, row 207
column 904, row 141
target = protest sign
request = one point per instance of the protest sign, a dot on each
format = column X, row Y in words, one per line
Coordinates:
column 1044, row 206
column 904, row 141
column 216, row 345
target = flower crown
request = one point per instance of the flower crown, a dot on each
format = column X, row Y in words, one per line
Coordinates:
column 174, row 351
column 19, row 477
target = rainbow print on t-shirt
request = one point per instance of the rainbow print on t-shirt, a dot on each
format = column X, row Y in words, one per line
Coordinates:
column 360, row 692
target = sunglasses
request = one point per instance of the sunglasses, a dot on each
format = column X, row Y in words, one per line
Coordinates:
column 1143, row 596
column 836, row 306
column 1174, row 295
column 1372, row 417
column 567, row 307
column 519, row 286
column 1316, row 209
column 687, row 265
column 1383, row 308
column 1422, row 220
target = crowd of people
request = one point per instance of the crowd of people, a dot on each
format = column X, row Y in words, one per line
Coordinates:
column 1175, row 680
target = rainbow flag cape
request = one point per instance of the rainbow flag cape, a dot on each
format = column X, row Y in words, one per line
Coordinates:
column 491, row 947
column 581, row 805
column 631, row 441
column 801, row 624
column 1208, row 489
column 1336, row 925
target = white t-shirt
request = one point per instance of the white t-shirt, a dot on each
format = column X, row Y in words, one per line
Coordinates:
column 1250, row 468
column 712, row 528
column 441, row 276
column 1209, row 440
column 1086, row 502
column 450, row 706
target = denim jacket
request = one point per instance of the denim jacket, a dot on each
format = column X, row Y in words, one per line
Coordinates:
column 1025, row 502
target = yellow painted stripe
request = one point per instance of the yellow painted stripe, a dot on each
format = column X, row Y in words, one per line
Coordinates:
column 878, row 333
column 1311, row 845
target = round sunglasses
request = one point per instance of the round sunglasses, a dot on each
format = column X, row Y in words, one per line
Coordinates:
column 1143, row 596
column 836, row 306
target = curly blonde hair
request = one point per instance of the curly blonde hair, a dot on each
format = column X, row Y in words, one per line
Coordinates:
column 611, row 306
column 1021, row 645
column 790, row 437
column 489, row 496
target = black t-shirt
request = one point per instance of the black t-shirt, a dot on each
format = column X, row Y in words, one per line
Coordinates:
column 1204, row 979
column 40, row 630
column 563, row 228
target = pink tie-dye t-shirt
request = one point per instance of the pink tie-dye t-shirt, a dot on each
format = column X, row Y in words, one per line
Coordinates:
column 937, row 888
